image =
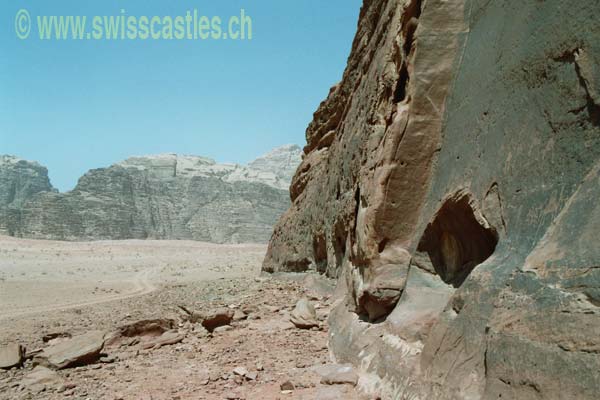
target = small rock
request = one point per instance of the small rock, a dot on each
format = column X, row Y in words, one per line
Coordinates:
column 217, row 318
column 251, row 376
column 11, row 356
column 272, row 309
column 287, row 385
column 241, row 371
column 304, row 315
column 234, row 396
column 200, row 331
column 66, row 386
column 40, row 378
column 222, row 329
column 239, row 315
column 337, row 374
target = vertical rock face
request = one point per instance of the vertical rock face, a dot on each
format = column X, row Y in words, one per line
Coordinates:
column 450, row 183
column 165, row 196
column 20, row 180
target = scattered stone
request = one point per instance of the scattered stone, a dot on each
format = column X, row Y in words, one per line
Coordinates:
column 241, row 371
column 287, row 385
column 234, row 396
column 222, row 329
column 272, row 309
column 216, row 318
column 304, row 315
column 337, row 374
column 239, row 315
column 11, row 356
column 251, row 376
column 41, row 378
column 79, row 350
column 56, row 335
column 200, row 331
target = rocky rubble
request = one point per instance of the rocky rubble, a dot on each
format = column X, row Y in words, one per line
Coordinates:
column 174, row 356
column 450, row 184
column 165, row 196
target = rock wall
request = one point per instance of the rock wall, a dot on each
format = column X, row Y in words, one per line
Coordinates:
column 450, row 182
column 160, row 197
column 21, row 179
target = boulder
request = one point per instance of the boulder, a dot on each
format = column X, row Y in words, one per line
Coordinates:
column 304, row 315
column 76, row 351
column 11, row 355
column 216, row 318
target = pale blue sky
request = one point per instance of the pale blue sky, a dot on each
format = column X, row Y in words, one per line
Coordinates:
column 75, row 105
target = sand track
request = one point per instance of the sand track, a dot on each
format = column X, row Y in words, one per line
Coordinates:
column 141, row 285
column 44, row 276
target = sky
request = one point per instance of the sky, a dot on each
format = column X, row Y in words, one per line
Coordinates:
column 74, row 105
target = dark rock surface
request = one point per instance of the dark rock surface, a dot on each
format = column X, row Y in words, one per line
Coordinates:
column 450, row 183
column 154, row 197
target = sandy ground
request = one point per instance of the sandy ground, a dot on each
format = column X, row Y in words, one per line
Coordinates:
column 38, row 276
column 73, row 288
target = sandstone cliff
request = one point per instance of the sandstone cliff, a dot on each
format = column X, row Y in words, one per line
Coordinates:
column 159, row 197
column 21, row 179
column 450, row 183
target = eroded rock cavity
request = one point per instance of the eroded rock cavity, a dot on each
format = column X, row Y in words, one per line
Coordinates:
column 457, row 240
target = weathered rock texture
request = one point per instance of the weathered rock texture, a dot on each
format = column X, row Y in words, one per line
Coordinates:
column 158, row 197
column 451, row 183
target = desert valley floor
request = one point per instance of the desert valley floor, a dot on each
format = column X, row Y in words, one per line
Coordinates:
column 141, row 299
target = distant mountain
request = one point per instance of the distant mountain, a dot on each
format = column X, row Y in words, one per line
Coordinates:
column 21, row 179
column 165, row 196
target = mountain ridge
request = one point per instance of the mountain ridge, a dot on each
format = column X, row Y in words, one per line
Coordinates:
column 164, row 196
